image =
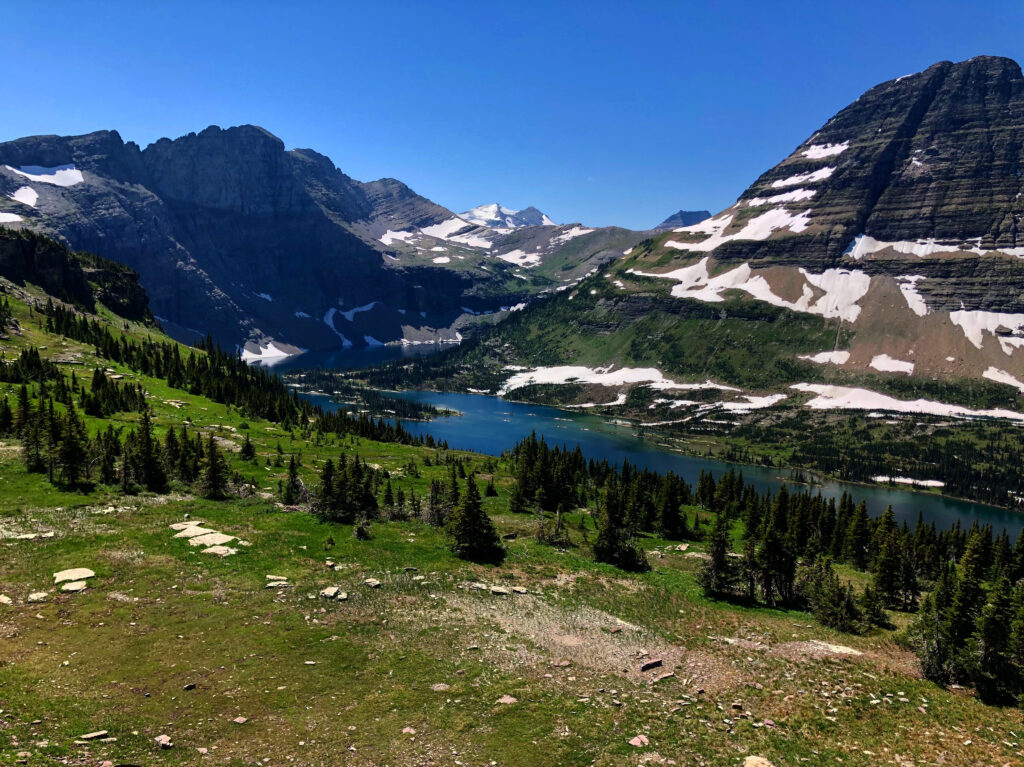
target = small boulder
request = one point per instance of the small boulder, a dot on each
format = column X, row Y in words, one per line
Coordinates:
column 373, row 583
column 239, row 720
column 408, row 731
column 500, row 591
column 221, row 551
column 639, row 741
column 164, row 741
column 94, row 735
column 651, row 664
column 757, row 761
column 331, row 592
column 6, row 600
column 74, row 586
column 506, row 700
column 38, row 596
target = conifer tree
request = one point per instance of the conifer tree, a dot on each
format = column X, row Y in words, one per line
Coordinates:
column 214, row 481
column 718, row 575
column 996, row 675
column 292, row 485
column 472, row 534
column 6, row 417
column 248, row 451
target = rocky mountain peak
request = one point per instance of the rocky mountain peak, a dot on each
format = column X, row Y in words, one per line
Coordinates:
column 497, row 216
column 683, row 218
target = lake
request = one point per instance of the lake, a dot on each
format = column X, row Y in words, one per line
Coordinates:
column 491, row 425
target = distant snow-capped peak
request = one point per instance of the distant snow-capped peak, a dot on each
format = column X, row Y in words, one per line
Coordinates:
column 497, row 216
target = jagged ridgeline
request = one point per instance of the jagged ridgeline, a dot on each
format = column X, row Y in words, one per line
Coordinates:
column 236, row 236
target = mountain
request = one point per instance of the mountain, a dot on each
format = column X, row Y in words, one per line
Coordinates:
column 499, row 217
column 683, row 218
column 885, row 251
column 234, row 235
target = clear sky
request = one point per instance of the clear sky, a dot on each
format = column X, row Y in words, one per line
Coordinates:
column 600, row 112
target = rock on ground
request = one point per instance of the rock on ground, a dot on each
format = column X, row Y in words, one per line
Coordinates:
column 74, row 574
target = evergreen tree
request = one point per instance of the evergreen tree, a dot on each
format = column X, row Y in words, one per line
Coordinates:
column 718, row 575
column 996, row 677
column 472, row 534
column 248, row 451
column 214, row 481
column 292, row 485
column 888, row 580
column 6, row 417
column 71, row 452
column 614, row 545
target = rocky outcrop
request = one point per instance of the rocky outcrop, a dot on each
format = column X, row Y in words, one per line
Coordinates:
column 683, row 218
column 77, row 278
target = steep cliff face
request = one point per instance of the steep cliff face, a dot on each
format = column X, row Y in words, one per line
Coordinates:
column 81, row 279
column 237, row 236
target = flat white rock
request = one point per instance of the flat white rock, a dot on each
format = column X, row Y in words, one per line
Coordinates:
column 74, row 586
column 211, row 538
column 74, row 574
column 193, row 532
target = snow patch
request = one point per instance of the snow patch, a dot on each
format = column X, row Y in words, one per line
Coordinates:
column 9, row 218
column 601, row 376
column 60, row 175
column 804, row 178
column 26, row 195
column 268, row 354
column 757, row 228
column 349, row 314
column 265, row 297
column 1001, row 376
column 818, row 151
column 797, row 195
column 824, row 358
column 842, row 288
column 849, row 398
column 446, row 228
column 571, row 234
column 389, row 237
column 329, row 322
column 888, row 364
column 909, row 481
column 707, row 226
column 521, row 258
column 442, row 260
column 976, row 323
column 753, row 403
column 908, row 287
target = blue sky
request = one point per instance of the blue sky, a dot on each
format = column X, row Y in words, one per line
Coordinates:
column 600, row 112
